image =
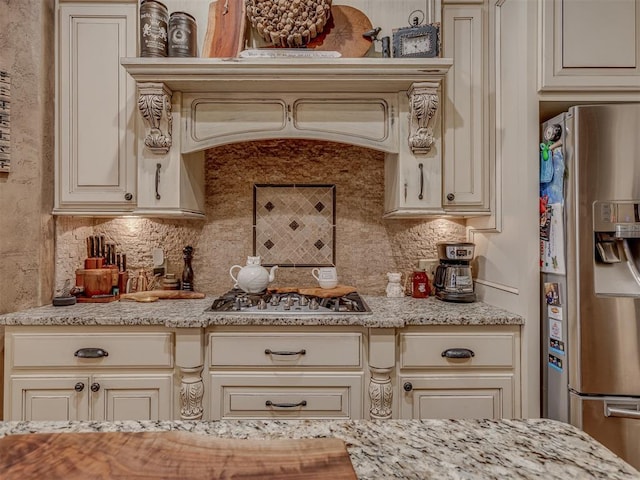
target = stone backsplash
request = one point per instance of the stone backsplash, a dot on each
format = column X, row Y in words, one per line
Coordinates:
column 367, row 246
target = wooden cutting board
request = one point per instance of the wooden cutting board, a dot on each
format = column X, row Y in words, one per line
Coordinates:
column 169, row 455
column 337, row 291
column 343, row 32
column 163, row 294
column 226, row 27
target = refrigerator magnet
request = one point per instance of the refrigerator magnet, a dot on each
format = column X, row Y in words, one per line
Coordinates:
column 555, row 363
column 555, row 329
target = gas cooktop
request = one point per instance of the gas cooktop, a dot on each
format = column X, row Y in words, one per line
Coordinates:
column 238, row 302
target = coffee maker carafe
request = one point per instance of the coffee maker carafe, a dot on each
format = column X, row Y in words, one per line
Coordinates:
column 453, row 281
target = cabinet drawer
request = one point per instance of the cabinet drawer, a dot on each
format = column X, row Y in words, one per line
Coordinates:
column 285, row 349
column 139, row 350
column 427, row 350
column 286, row 396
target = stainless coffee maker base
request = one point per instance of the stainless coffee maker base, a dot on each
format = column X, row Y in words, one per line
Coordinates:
column 456, row 297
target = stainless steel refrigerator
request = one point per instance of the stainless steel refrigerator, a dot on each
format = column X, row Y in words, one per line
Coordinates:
column 590, row 272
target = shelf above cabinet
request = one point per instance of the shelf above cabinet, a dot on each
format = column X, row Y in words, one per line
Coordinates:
column 361, row 75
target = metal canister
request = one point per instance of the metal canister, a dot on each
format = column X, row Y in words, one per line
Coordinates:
column 154, row 20
column 182, row 35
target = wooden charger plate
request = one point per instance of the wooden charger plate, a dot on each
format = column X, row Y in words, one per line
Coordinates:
column 169, row 455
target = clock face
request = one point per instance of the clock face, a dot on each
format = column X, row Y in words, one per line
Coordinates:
column 417, row 41
column 417, row 44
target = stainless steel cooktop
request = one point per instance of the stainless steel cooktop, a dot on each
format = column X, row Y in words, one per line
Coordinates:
column 238, row 302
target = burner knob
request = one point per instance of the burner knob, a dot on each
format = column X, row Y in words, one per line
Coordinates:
column 275, row 300
column 262, row 305
column 304, row 301
column 314, row 305
column 237, row 304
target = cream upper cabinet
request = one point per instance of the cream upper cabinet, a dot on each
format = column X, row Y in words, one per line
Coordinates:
column 96, row 109
column 466, row 110
column 590, row 45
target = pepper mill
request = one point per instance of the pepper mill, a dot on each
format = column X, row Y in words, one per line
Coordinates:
column 187, row 273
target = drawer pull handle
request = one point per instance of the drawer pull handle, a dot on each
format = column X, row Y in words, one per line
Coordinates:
column 268, row 351
column 91, row 353
column 78, row 387
column 458, row 353
column 269, row 403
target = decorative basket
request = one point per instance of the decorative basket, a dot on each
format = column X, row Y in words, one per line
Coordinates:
column 288, row 23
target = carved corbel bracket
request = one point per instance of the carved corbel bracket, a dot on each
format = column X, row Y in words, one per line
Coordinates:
column 154, row 103
column 380, row 393
column 424, row 101
column 191, row 393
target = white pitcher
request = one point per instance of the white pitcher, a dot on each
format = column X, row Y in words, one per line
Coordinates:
column 253, row 278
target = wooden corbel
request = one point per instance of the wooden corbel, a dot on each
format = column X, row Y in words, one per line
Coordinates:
column 424, row 101
column 154, row 103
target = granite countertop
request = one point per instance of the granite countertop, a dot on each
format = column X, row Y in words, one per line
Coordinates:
column 413, row 449
column 386, row 313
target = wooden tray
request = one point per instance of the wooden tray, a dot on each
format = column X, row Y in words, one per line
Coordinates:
column 112, row 298
column 169, row 455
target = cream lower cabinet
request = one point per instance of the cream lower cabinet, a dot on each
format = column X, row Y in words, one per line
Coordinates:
column 285, row 373
column 67, row 373
column 459, row 372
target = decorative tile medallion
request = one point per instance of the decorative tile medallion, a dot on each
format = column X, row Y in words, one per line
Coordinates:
column 294, row 225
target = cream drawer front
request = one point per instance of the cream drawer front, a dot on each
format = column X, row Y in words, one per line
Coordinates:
column 140, row 350
column 285, row 349
column 289, row 396
column 427, row 350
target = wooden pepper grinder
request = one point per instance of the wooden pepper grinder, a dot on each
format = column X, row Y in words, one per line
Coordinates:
column 187, row 273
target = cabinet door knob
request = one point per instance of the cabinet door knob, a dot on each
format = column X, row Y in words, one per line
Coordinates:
column 451, row 197
column 128, row 196
column 78, row 387
column 95, row 387
column 407, row 386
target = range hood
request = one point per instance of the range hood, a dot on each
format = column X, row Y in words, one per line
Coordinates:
column 191, row 104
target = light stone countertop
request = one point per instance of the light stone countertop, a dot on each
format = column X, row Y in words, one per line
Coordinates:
column 413, row 449
column 386, row 313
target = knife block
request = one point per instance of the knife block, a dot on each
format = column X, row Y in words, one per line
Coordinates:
column 96, row 281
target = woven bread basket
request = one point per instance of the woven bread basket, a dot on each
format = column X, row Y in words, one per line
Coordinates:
column 288, row 23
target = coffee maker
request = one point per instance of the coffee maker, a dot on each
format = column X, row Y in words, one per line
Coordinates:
column 452, row 280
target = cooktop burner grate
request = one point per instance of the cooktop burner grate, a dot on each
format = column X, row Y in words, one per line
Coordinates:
column 236, row 301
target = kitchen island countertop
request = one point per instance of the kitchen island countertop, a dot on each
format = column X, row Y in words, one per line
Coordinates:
column 385, row 313
column 413, row 449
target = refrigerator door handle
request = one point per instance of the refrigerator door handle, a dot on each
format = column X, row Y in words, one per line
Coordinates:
column 628, row 410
